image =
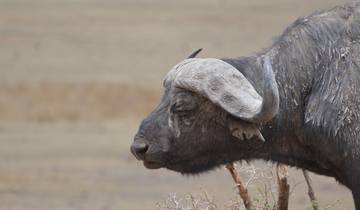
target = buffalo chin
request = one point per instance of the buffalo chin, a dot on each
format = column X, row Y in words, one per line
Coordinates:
column 192, row 169
column 152, row 165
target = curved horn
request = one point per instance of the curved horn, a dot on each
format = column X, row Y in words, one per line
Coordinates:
column 193, row 54
column 270, row 103
column 227, row 87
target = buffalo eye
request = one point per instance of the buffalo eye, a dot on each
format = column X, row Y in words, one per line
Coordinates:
column 184, row 103
column 178, row 109
column 181, row 114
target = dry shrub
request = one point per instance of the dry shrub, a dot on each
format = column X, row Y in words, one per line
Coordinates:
column 190, row 202
column 262, row 182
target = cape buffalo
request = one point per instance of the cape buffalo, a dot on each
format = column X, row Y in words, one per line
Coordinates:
column 296, row 102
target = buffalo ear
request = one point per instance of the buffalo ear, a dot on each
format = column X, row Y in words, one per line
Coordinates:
column 244, row 130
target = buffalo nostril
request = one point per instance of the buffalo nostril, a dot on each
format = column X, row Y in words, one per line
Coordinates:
column 139, row 149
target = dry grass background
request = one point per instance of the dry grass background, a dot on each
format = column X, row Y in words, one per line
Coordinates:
column 48, row 102
column 77, row 76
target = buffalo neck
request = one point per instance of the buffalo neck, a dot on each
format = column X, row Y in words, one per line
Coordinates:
column 284, row 134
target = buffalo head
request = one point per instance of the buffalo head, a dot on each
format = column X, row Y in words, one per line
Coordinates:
column 207, row 107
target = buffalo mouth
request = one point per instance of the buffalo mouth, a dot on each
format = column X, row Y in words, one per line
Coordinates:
column 152, row 164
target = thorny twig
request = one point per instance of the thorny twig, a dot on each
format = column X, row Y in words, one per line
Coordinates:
column 241, row 188
column 283, row 199
column 256, row 174
column 314, row 201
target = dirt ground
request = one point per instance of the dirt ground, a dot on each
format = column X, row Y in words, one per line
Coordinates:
column 77, row 77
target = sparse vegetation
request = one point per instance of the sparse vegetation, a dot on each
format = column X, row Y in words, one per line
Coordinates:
column 272, row 192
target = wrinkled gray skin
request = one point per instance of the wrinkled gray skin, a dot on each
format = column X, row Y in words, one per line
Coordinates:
column 317, row 66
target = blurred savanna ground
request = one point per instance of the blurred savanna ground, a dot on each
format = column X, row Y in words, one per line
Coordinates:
column 77, row 77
